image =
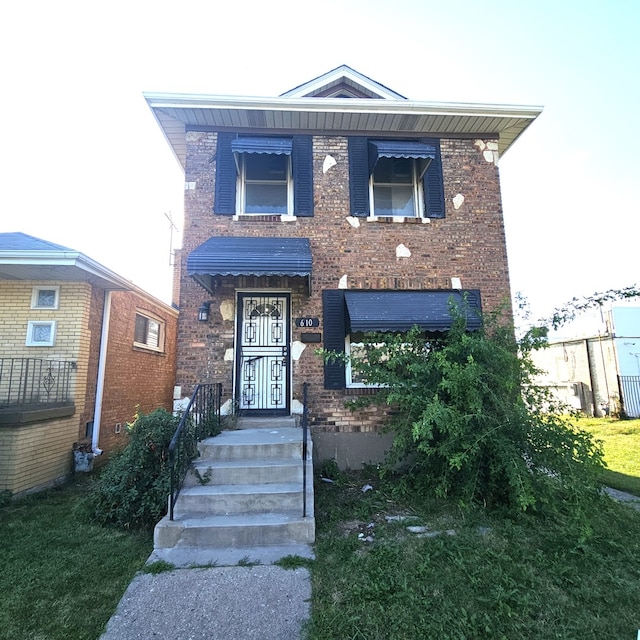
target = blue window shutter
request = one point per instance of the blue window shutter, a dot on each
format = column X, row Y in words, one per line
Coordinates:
column 302, row 159
column 434, row 185
column 359, row 176
column 225, row 195
column 333, row 319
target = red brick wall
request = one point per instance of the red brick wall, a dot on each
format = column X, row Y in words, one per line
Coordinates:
column 135, row 376
column 468, row 244
column 96, row 309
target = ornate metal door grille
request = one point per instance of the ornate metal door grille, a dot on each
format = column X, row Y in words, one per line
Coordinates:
column 263, row 352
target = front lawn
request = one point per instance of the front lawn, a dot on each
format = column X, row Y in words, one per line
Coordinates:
column 621, row 440
column 61, row 578
column 468, row 574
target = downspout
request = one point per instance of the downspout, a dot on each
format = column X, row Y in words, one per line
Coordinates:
column 604, row 370
column 591, row 378
column 102, row 361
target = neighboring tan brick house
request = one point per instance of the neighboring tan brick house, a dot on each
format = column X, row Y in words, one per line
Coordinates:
column 81, row 348
column 311, row 218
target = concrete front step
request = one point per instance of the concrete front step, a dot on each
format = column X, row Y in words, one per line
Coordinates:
column 240, row 530
column 224, row 557
column 242, row 498
column 245, row 471
column 244, row 444
column 266, row 422
column 244, row 492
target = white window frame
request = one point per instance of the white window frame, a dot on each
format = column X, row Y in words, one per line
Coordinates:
column 418, row 193
column 349, row 372
column 36, row 293
column 31, row 327
column 161, row 332
column 241, row 189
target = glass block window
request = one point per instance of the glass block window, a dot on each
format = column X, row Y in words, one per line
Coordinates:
column 41, row 333
column 45, row 297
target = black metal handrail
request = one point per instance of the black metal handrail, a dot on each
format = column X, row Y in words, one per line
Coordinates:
column 201, row 419
column 305, row 429
column 26, row 382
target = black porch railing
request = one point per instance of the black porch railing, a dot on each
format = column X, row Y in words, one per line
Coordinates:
column 34, row 382
column 200, row 420
column 305, row 431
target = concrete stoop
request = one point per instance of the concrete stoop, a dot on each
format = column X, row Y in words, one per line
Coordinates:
column 241, row 501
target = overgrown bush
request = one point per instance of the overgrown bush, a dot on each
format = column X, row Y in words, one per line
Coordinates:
column 133, row 488
column 468, row 420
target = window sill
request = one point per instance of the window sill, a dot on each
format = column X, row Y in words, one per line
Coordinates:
column 143, row 347
column 400, row 219
column 259, row 217
column 361, row 391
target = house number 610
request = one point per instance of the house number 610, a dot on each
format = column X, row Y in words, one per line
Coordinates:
column 307, row 322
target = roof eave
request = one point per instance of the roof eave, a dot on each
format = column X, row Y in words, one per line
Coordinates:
column 175, row 112
column 65, row 259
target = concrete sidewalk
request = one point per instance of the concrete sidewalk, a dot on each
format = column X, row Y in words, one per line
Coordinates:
column 219, row 603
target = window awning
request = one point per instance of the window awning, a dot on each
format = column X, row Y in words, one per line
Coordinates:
column 399, row 149
column 275, row 146
column 222, row 256
column 401, row 310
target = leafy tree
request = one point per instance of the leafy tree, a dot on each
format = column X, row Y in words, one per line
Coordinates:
column 467, row 420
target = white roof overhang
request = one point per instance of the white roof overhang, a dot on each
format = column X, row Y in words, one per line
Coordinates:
column 177, row 113
column 66, row 266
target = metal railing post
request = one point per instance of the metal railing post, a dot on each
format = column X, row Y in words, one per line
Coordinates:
column 304, row 448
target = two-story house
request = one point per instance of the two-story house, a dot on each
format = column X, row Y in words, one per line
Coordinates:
column 81, row 350
column 337, row 208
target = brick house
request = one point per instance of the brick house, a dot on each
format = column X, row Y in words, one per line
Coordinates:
column 338, row 208
column 80, row 349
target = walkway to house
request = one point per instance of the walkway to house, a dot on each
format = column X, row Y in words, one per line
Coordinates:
column 230, row 603
column 224, row 598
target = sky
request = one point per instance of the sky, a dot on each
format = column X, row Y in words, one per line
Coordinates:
column 84, row 163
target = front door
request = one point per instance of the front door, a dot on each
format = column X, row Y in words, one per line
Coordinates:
column 262, row 353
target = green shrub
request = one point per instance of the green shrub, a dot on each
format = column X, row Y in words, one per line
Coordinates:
column 470, row 423
column 133, row 488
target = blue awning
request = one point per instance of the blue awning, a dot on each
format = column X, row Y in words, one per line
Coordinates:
column 401, row 310
column 275, row 146
column 399, row 149
column 222, row 256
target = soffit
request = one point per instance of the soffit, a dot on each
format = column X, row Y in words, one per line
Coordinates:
column 176, row 113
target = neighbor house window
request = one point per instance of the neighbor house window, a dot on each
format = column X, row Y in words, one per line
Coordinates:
column 41, row 333
column 45, row 297
column 149, row 332
column 263, row 175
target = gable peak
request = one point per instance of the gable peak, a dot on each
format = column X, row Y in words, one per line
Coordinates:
column 343, row 82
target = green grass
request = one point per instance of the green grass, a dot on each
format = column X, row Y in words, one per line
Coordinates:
column 61, row 578
column 495, row 578
column 621, row 439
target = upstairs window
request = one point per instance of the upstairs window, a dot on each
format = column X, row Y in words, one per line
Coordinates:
column 395, row 178
column 264, row 175
column 394, row 188
column 264, row 184
column 149, row 332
